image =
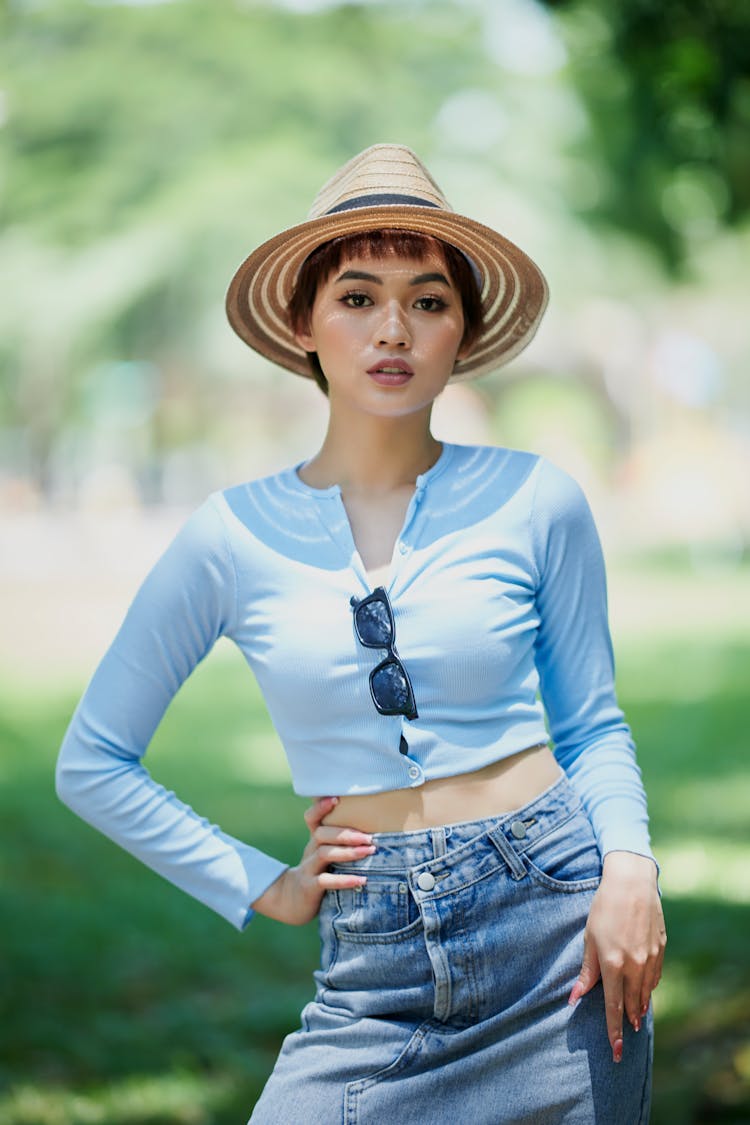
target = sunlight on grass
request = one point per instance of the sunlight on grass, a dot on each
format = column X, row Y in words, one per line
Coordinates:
column 716, row 870
column 721, row 804
column 689, row 674
column 180, row 1099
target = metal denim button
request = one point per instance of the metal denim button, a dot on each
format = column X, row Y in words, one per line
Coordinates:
column 425, row 881
column 518, row 829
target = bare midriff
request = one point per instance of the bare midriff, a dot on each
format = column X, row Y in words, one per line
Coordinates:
column 496, row 789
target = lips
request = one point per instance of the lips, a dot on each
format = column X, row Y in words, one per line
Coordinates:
column 390, row 367
column 390, row 372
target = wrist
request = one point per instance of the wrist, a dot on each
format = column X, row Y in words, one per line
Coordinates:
column 630, row 866
column 270, row 901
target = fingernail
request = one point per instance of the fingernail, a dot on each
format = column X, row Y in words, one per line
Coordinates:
column 575, row 995
column 644, row 1009
column 617, row 1051
column 636, row 1024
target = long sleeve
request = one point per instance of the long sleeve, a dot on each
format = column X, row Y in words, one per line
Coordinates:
column 592, row 741
column 185, row 604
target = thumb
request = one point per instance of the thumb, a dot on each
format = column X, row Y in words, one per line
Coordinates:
column 588, row 976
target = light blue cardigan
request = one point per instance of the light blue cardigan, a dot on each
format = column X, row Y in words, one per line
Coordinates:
column 498, row 591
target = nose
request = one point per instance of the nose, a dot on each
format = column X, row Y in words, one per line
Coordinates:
column 393, row 329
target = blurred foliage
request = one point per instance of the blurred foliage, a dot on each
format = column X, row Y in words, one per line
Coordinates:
column 144, row 147
column 114, row 109
column 110, row 108
column 667, row 88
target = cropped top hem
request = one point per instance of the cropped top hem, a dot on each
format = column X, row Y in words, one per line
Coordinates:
column 447, row 763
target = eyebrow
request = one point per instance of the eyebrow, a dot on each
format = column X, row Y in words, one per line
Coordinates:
column 420, row 279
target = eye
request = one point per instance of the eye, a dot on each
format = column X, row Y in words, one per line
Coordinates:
column 355, row 300
column 430, row 304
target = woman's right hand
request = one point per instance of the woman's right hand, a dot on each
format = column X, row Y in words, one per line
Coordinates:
column 295, row 896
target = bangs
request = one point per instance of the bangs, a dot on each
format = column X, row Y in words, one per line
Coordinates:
column 372, row 244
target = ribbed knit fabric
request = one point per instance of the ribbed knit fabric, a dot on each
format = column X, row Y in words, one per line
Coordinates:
column 498, row 591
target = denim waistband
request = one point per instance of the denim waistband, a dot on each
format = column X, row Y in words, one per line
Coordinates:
column 452, row 846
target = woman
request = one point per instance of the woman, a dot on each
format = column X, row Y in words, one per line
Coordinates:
column 490, row 923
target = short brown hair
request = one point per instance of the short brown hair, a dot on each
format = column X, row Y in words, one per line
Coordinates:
column 386, row 243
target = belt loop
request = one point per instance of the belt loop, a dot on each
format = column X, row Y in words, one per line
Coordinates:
column 511, row 857
column 439, row 847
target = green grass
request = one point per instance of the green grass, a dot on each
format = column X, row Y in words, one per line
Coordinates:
column 126, row 1002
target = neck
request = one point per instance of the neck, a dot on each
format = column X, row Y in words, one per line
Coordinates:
column 373, row 455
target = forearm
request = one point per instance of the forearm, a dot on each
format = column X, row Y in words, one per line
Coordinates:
column 119, row 798
column 607, row 778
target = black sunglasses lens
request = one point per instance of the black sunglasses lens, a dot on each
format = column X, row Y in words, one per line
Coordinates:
column 390, row 688
column 374, row 624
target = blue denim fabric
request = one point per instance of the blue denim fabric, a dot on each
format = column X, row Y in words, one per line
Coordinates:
column 442, row 993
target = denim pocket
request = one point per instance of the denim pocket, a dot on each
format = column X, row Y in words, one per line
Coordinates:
column 566, row 858
column 372, row 941
column 381, row 910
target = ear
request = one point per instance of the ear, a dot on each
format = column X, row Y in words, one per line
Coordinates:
column 305, row 340
column 464, row 350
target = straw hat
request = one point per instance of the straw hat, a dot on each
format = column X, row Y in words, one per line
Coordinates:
column 388, row 186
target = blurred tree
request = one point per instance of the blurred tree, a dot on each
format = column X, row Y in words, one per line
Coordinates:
column 667, row 89
column 142, row 144
column 111, row 107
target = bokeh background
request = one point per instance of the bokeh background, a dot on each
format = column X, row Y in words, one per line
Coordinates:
column 145, row 148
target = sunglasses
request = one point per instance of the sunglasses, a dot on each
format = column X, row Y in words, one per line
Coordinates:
column 390, row 686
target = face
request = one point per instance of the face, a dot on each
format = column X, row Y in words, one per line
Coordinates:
column 387, row 332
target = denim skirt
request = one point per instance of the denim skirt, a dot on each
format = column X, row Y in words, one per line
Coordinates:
column 443, row 987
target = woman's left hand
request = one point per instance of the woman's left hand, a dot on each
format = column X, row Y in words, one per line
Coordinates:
column 624, row 942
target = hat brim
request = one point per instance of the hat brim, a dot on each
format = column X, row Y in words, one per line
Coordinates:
column 514, row 291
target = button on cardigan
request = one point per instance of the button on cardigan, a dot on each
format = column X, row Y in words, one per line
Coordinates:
column 498, row 592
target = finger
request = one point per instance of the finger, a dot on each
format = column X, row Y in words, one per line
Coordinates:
column 319, row 809
column 653, row 972
column 588, row 975
column 327, row 855
column 339, row 880
column 334, row 834
column 632, row 996
column 650, row 981
column 614, row 1008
